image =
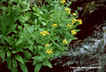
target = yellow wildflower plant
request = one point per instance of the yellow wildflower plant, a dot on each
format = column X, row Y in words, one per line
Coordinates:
column 67, row 10
column 63, row 1
column 80, row 21
column 47, row 27
column 44, row 33
column 73, row 32
column 49, row 51
column 65, row 41
column 54, row 25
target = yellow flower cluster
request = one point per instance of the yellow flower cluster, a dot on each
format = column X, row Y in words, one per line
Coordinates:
column 80, row 21
column 67, row 10
column 73, row 32
column 63, row 1
column 65, row 41
column 49, row 51
column 54, row 25
column 44, row 33
column 76, row 20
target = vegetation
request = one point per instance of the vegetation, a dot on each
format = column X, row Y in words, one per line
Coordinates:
column 35, row 32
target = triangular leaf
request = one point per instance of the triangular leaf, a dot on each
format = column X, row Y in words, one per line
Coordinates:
column 19, row 58
column 47, row 63
column 23, row 67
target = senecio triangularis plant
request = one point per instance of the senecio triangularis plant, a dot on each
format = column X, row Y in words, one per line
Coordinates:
column 36, row 33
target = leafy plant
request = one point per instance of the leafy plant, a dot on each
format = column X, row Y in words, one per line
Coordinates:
column 36, row 33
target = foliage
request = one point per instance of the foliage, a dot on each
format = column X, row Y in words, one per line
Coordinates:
column 35, row 32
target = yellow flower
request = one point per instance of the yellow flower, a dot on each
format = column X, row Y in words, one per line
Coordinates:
column 63, row 1
column 49, row 51
column 54, row 25
column 80, row 21
column 73, row 32
column 44, row 33
column 47, row 45
column 69, row 25
column 74, row 14
column 65, row 41
column 73, row 20
column 67, row 10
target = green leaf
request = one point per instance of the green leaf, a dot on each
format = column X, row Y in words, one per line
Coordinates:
column 14, row 63
column 27, row 55
column 8, row 54
column 19, row 42
column 37, row 68
column 19, row 58
column 31, row 48
column 23, row 67
column 9, row 62
column 39, row 58
column 2, row 55
column 47, row 63
column 3, row 23
column 14, row 70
